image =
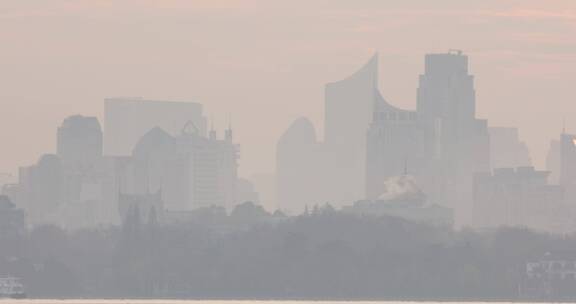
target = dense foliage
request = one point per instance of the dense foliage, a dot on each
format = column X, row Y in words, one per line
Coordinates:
column 251, row 254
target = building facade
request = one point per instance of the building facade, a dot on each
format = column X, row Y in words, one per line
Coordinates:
column 441, row 143
column 567, row 159
column 126, row 120
column 190, row 170
column 75, row 187
column 521, row 197
column 394, row 145
column 507, row 150
column 368, row 140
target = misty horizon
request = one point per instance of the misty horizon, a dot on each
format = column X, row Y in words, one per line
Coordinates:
column 523, row 45
column 288, row 150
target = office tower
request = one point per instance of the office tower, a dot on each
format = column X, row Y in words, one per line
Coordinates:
column 75, row 187
column 149, row 161
column 311, row 171
column 126, row 120
column 456, row 142
column 349, row 105
column 297, row 165
column 567, row 159
column 446, row 106
column 520, row 197
column 367, row 140
column 189, row 170
column 394, row 146
column 208, row 169
column 553, row 162
column 79, row 140
column 506, row 149
column 348, row 113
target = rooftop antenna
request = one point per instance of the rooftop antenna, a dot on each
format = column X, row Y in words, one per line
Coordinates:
column 406, row 166
column 455, row 52
column 228, row 135
column 229, row 121
column 212, row 133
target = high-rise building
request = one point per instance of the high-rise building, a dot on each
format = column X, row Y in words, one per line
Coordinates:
column 189, row 170
column 88, row 178
column 567, row 159
column 126, row 120
column 506, row 149
column 349, row 105
column 446, row 106
column 349, row 109
column 553, row 161
column 367, row 140
column 79, row 140
column 394, row 146
column 298, row 154
column 41, row 188
column 74, row 188
column 441, row 144
column 456, row 142
column 520, row 197
column 149, row 162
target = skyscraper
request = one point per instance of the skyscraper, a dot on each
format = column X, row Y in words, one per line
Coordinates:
column 394, row 146
column 348, row 113
column 367, row 140
column 553, row 161
column 446, row 106
column 349, row 106
column 189, row 170
column 79, row 140
column 75, row 187
column 298, row 154
column 567, row 159
column 456, row 142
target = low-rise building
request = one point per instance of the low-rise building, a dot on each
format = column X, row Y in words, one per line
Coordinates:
column 520, row 197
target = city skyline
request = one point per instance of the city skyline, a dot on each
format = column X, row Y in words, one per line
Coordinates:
column 515, row 45
column 306, row 151
column 161, row 148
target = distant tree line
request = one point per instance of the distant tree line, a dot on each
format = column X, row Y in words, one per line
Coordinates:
column 251, row 254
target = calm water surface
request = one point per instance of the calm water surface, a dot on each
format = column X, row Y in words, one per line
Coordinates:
column 26, row 301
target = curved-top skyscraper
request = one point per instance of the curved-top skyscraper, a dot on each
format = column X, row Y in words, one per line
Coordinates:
column 349, row 105
column 348, row 108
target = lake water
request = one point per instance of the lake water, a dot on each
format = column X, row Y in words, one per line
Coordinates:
column 29, row 301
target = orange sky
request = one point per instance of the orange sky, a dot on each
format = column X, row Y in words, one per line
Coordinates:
column 266, row 61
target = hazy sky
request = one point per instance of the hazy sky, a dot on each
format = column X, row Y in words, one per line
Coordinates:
column 267, row 61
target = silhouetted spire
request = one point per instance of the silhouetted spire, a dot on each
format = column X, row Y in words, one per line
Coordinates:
column 212, row 133
column 228, row 134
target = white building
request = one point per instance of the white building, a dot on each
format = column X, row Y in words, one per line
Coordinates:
column 190, row 170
